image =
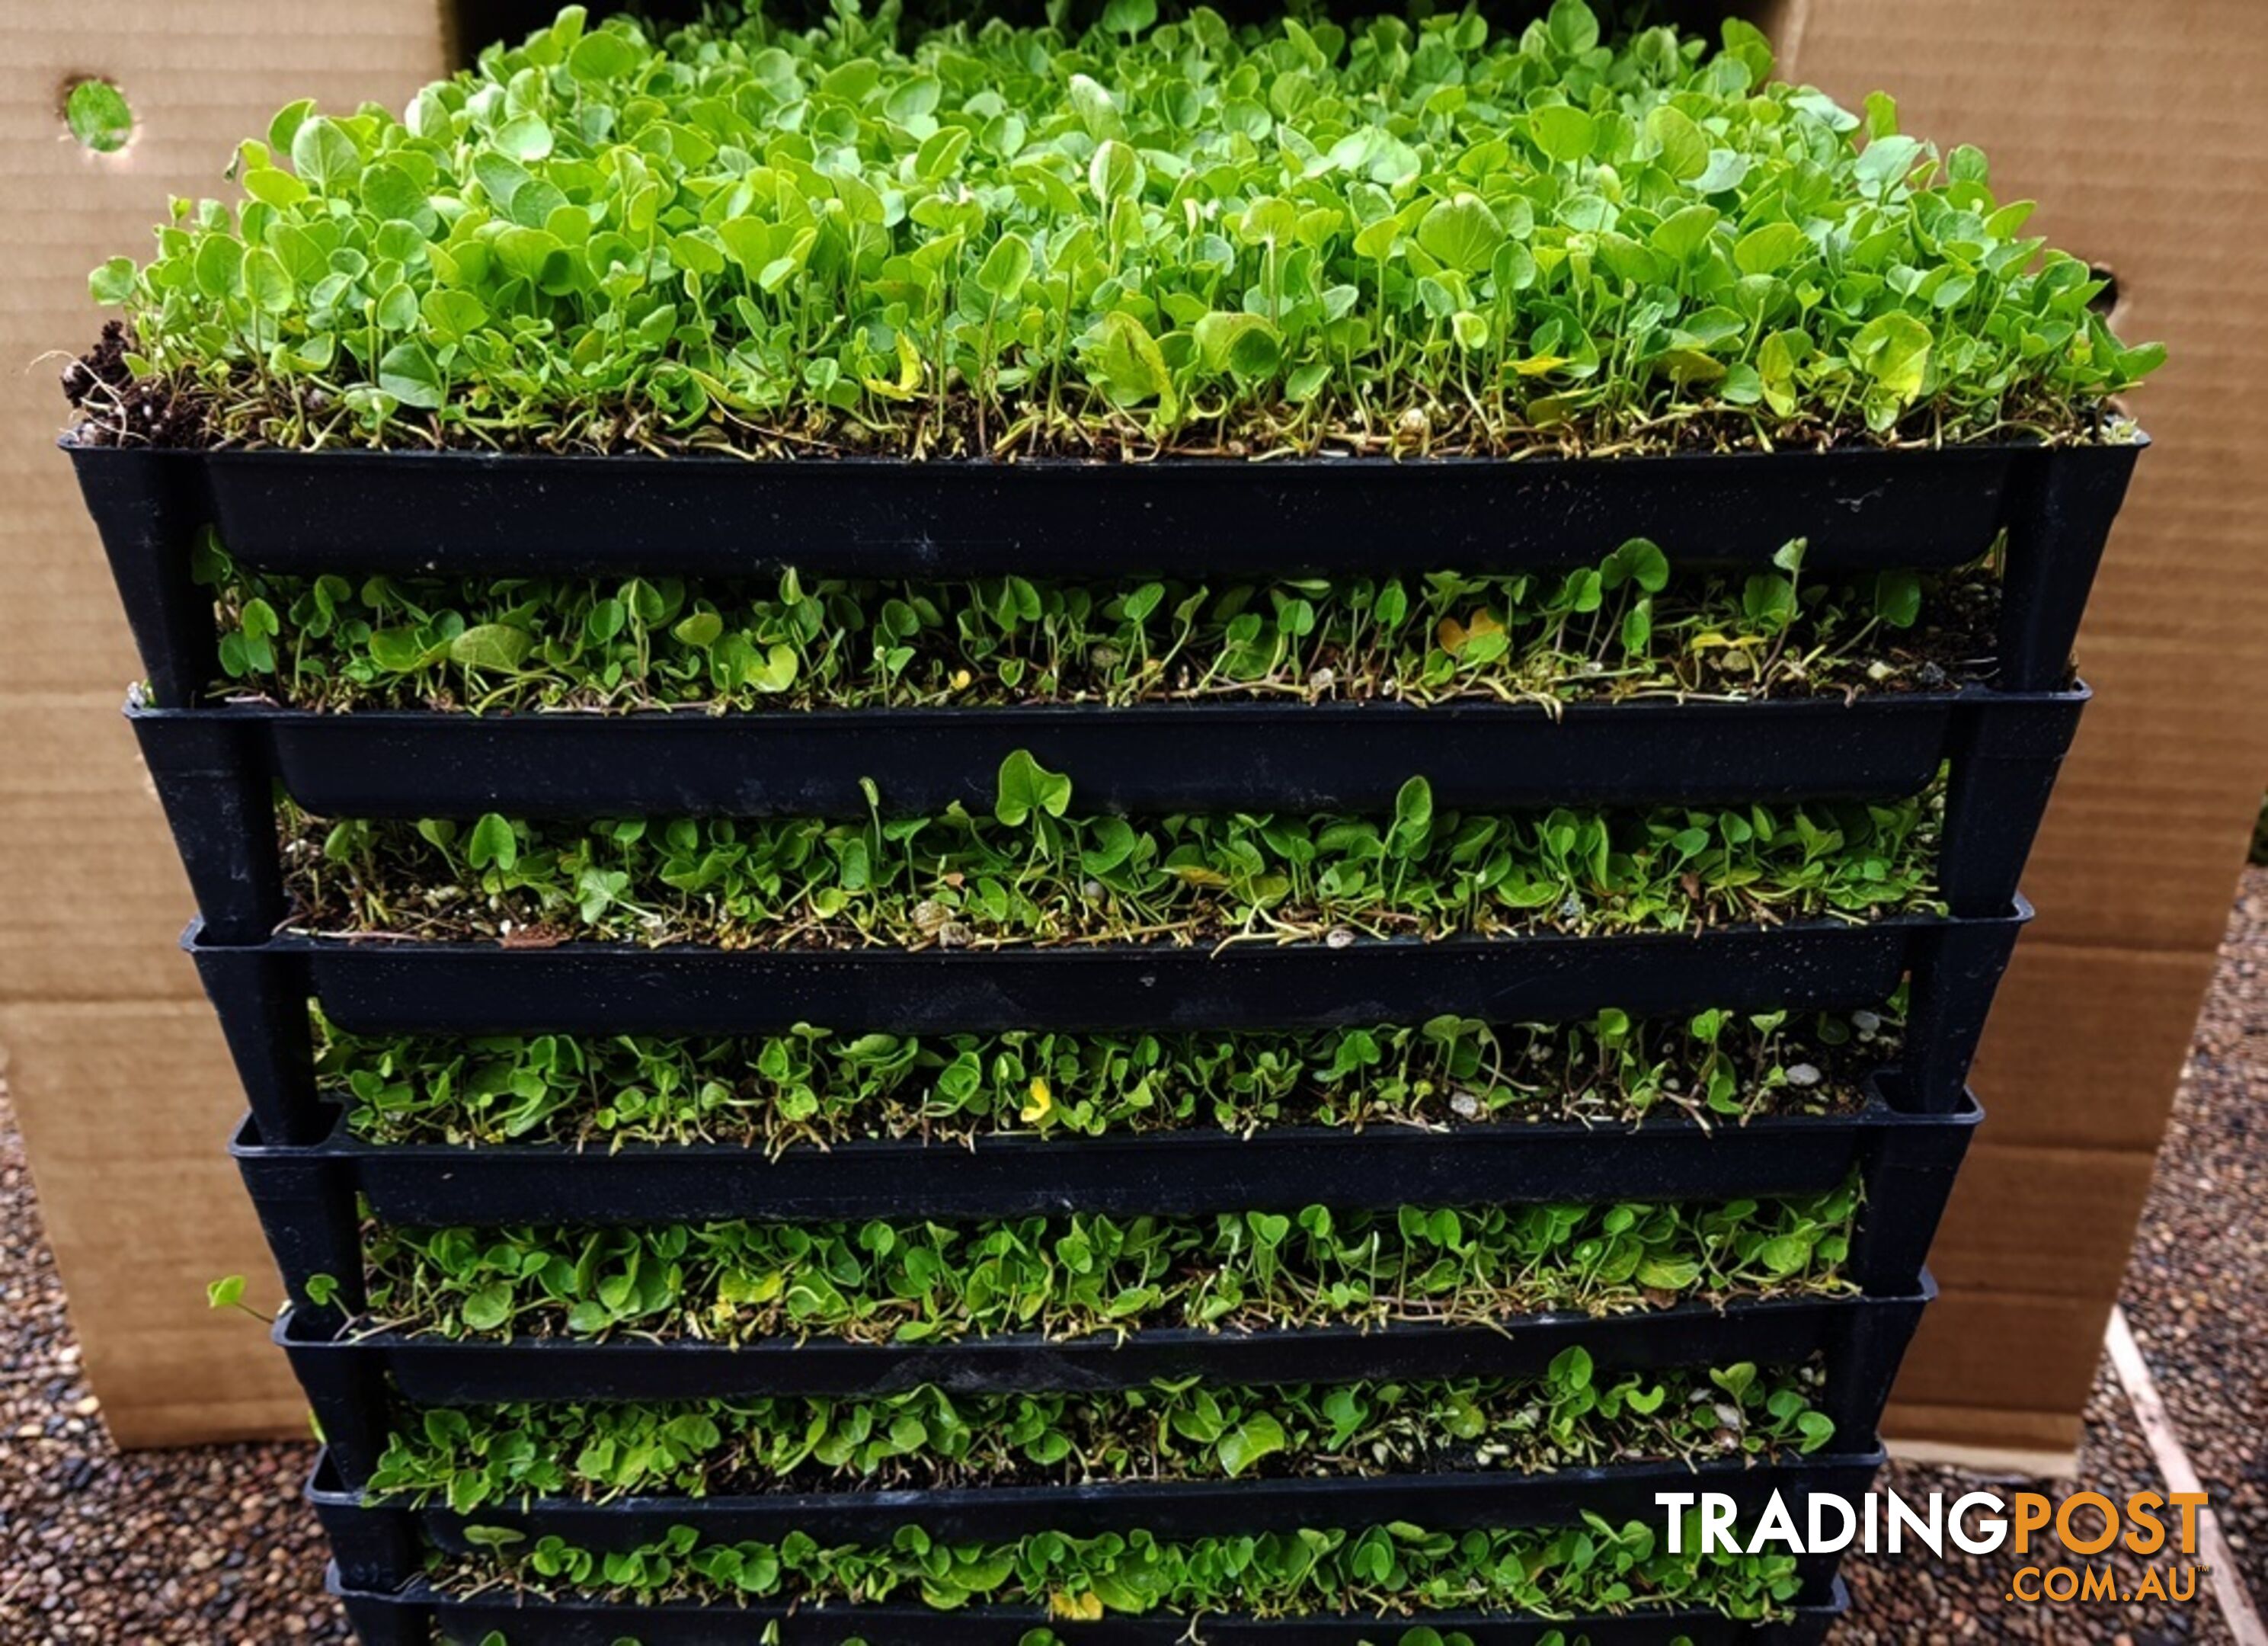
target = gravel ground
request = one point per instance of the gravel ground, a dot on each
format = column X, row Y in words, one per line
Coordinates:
column 212, row 1547
column 209, row 1546
column 1904, row 1602
column 2196, row 1294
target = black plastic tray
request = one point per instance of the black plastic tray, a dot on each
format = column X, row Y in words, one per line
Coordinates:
column 416, row 1616
column 217, row 770
column 477, row 514
column 353, row 1381
column 1908, row 1163
column 371, row 1539
column 261, row 990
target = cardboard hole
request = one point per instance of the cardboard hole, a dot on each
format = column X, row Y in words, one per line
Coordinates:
column 97, row 115
column 2106, row 301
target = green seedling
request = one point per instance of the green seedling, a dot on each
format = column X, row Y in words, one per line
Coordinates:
column 1591, row 1568
column 1625, row 630
column 1034, row 873
column 927, row 1438
column 1421, row 1636
column 1190, row 237
column 809, row 1086
column 228, row 1293
column 915, row 1281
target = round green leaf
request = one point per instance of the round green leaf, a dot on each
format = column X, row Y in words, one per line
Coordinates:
column 407, row 372
column 219, row 267
column 490, row 1307
column 1025, row 786
column 492, row 842
column 266, row 281
column 602, row 56
column 1564, row 133
column 1894, row 349
column 1460, row 232
column 112, row 283
column 1768, row 249
column 525, row 138
column 1681, row 235
column 1257, row 1437
column 1573, row 27
column 1115, row 172
column 323, row 155
column 492, row 645
column 1684, row 146
column 1006, row 267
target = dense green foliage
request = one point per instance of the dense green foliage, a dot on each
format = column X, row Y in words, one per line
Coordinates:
column 1179, row 235
column 928, row 1438
column 1031, row 873
column 1621, row 630
column 1582, row 1570
column 811, row 1086
column 913, row 1282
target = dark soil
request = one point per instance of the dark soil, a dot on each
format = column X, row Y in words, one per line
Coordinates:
column 119, row 408
column 250, row 409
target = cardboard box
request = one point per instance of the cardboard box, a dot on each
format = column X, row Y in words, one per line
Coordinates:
column 1965, row 1386
column 2011, row 1228
column 2124, row 122
column 115, row 1068
column 139, row 1231
column 2099, row 110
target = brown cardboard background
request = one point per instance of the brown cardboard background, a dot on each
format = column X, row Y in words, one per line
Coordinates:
column 2131, row 125
column 115, row 1069
column 2055, row 1222
column 146, row 1228
column 2099, row 109
column 1963, row 1385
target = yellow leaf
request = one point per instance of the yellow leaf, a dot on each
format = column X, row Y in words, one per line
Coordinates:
column 742, row 1290
column 1453, row 636
column 1084, row 1608
column 1537, row 366
column 960, row 679
column 1196, row 875
column 909, row 373
column 1042, row 1105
